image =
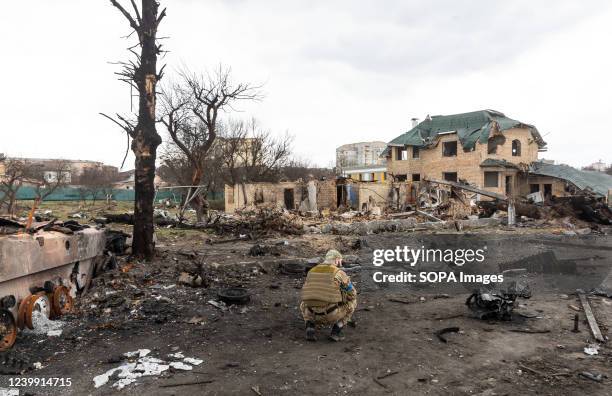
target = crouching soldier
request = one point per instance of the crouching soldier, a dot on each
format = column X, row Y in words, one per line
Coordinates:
column 328, row 297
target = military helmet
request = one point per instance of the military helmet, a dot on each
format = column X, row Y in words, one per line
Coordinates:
column 331, row 256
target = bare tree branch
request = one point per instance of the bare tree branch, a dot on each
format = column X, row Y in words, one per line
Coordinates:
column 191, row 116
column 128, row 16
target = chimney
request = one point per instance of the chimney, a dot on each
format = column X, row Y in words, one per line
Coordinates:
column 415, row 122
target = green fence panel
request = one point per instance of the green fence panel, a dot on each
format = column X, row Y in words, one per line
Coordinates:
column 73, row 194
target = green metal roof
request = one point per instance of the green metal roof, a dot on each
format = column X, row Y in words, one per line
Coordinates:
column 492, row 162
column 470, row 127
column 598, row 182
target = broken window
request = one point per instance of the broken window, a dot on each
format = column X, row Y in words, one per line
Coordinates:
column 401, row 153
column 449, row 149
column 416, row 177
column 401, row 178
column 516, row 148
column 533, row 188
column 494, row 142
column 259, row 196
column 366, row 177
column 341, row 195
column 547, row 190
column 415, row 152
column 288, row 196
column 491, row 179
column 450, row 176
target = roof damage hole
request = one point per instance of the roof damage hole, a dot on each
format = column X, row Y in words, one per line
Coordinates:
column 495, row 141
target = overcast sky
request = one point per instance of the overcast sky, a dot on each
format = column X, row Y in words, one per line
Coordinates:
column 334, row 72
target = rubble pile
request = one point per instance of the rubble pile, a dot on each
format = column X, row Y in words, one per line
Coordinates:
column 584, row 207
column 259, row 222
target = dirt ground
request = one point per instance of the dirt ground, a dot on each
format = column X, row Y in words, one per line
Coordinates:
column 259, row 348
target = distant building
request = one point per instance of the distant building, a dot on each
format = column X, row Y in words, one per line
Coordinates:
column 49, row 167
column 362, row 161
column 126, row 180
column 53, row 176
column 598, row 166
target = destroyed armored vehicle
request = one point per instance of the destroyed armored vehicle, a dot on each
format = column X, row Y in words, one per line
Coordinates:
column 41, row 270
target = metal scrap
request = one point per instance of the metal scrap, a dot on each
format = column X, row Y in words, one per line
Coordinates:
column 496, row 304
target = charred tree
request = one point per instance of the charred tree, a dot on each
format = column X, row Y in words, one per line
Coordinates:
column 142, row 75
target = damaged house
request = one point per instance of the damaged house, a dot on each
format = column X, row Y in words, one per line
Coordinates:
column 307, row 196
column 487, row 150
column 482, row 148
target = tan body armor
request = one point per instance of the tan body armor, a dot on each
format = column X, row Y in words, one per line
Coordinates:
column 321, row 287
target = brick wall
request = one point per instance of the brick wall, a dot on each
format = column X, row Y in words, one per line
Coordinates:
column 272, row 194
column 431, row 163
column 558, row 186
column 377, row 193
column 326, row 194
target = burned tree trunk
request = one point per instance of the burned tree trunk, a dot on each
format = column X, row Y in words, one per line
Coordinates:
column 143, row 76
column 146, row 139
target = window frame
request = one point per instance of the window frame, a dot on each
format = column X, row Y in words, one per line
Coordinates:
column 450, row 173
column 401, row 153
column 445, row 144
column 516, row 151
column 496, row 179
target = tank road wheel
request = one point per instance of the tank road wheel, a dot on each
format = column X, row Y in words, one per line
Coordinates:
column 61, row 301
column 38, row 303
column 8, row 330
column 22, row 311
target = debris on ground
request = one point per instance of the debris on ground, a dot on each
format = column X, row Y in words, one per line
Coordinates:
column 440, row 333
column 591, row 349
column 496, row 304
column 141, row 364
column 43, row 325
column 597, row 377
column 192, row 280
column 588, row 312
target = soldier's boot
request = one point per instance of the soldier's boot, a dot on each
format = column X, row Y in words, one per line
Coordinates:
column 310, row 331
column 336, row 333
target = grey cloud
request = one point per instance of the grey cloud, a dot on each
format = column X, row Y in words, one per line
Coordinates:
column 442, row 36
